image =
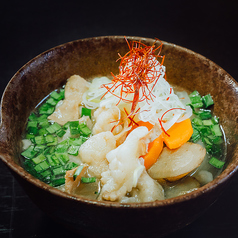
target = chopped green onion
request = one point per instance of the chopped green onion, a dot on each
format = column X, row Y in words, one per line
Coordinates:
column 76, row 141
column 57, row 182
column 196, row 135
column 58, row 171
column 52, row 101
column 216, row 130
column 57, row 96
column 39, row 148
column 216, row 163
column 84, row 129
column 46, row 109
column 73, row 150
column 39, row 140
column 29, row 152
column 62, row 148
column 207, row 122
column 204, row 114
column 86, row 112
column 43, row 132
column 32, row 127
column 32, row 117
column 66, row 125
column 78, row 171
column 53, row 128
column 194, row 93
column 54, row 142
column 74, row 127
column 207, row 100
column 62, row 157
column 42, row 166
column 44, row 123
column 197, row 121
column 40, row 158
column 70, row 165
column 60, row 132
column 88, row 180
column 30, row 136
column 49, row 138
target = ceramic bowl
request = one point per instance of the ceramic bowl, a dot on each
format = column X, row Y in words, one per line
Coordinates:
column 97, row 56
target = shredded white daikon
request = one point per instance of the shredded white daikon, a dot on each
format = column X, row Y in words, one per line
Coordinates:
column 163, row 105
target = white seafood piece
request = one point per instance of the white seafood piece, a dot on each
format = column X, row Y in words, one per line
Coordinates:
column 173, row 163
column 106, row 119
column 69, row 108
column 147, row 190
column 94, row 151
column 124, row 166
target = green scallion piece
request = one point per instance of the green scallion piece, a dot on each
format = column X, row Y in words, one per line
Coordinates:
column 88, row 180
column 86, row 112
column 204, row 114
column 54, row 142
column 49, row 138
column 62, row 148
column 39, row 140
column 38, row 159
column 216, row 130
column 78, row 171
column 57, row 182
column 74, row 127
column 207, row 100
column 197, row 121
column 62, row 157
column 70, row 165
column 29, row 152
column 44, row 123
column 43, row 132
column 216, row 163
column 60, row 132
column 30, row 136
column 57, row 96
column 52, row 101
column 58, row 171
column 42, row 166
column 53, row 128
column 196, row 135
column 46, row 109
column 76, row 141
column 207, row 122
column 32, row 117
column 84, row 129
column 73, row 150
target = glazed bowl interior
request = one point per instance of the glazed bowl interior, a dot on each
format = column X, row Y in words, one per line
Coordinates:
column 97, row 57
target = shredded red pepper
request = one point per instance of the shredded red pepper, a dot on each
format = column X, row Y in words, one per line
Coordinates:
column 138, row 69
column 161, row 119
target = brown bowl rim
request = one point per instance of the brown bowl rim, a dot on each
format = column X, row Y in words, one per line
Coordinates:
column 226, row 174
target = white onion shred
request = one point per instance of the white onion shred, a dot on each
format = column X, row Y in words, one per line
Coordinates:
column 164, row 105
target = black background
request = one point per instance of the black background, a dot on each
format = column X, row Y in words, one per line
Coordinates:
column 31, row 27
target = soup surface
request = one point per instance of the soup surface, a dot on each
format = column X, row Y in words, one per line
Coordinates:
column 133, row 138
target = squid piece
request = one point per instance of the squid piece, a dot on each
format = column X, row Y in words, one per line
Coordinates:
column 125, row 166
column 147, row 190
column 175, row 164
column 94, row 151
column 107, row 119
column 69, row 109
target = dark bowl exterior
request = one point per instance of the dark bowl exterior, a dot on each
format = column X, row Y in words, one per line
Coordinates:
column 97, row 56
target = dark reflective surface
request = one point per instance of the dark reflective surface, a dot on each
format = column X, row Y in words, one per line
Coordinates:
column 29, row 28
